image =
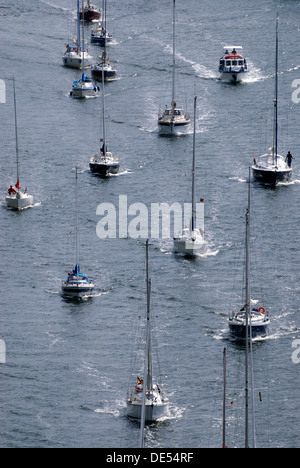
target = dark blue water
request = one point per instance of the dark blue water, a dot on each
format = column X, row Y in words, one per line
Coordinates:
column 68, row 365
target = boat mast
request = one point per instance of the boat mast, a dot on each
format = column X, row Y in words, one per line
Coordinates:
column 103, row 119
column 194, row 169
column 83, row 19
column 224, row 400
column 275, row 144
column 248, row 311
column 174, row 45
column 76, row 226
column 78, row 27
column 16, row 134
column 147, row 382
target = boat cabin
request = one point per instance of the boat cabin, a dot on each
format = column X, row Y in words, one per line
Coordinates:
column 233, row 59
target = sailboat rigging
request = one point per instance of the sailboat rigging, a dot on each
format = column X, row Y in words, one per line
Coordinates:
column 146, row 401
column 272, row 168
column 16, row 198
column 77, row 284
column 110, row 74
column 84, row 87
column 174, row 118
column 258, row 316
column 100, row 35
column 76, row 56
column 191, row 241
column 104, row 163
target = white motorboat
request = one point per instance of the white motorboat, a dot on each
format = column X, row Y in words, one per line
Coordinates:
column 16, row 198
column 146, row 401
column 249, row 321
column 173, row 119
column 272, row 168
column 191, row 241
column 76, row 285
column 76, row 55
column 233, row 65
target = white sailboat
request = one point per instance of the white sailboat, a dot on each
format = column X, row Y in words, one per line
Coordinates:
column 76, row 56
column 248, row 317
column 104, row 163
column 16, row 198
column 191, row 241
column 77, row 284
column 146, row 401
column 272, row 168
column 173, row 119
column 84, row 87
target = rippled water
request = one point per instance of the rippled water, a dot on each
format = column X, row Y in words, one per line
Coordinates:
column 68, row 365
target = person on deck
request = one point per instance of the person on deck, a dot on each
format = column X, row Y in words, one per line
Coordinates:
column 289, row 159
column 11, row 190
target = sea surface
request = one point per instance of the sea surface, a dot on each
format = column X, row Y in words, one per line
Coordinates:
column 68, row 365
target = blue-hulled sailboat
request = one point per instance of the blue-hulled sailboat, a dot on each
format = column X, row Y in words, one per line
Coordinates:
column 77, row 284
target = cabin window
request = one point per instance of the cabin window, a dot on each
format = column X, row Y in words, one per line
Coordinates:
column 228, row 63
column 240, row 63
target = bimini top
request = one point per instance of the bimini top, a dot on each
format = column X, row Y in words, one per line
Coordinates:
column 76, row 275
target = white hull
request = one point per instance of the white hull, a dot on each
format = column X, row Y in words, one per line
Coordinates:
column 74, row 60
column 84, row 89
column 232, row 77
column 77, row 291
column 153, row 411
column 82, row 93
column 19, row 201
column 191, row 245
column 171, row 129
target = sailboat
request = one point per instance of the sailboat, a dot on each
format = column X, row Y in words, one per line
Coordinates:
column 173, row 119
column 104, row 163
column 16, row 198
column 191, row 242
column 146, row 400
column 103, row 71
column 76, row 56
column 271, row 168
column 85, row 86
column 90, row 12
column 256, row 318
column 77, row 284
column 100, row 35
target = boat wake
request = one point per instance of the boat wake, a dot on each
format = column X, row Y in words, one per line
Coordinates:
column 292, row 182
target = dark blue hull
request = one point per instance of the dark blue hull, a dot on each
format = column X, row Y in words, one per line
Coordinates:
column 104, row 170
column 239, row 331
column 108, row 75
